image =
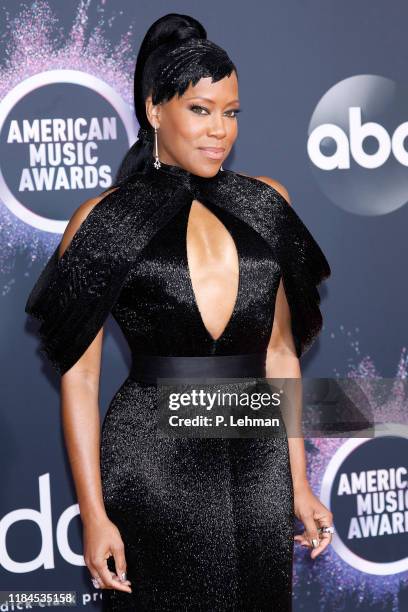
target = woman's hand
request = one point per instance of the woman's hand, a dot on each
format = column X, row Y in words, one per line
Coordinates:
column 313, row 514
column 102, row 539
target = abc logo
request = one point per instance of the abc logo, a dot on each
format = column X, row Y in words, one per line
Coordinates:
column 356, row 145
column 351, row 145
column 43, row 519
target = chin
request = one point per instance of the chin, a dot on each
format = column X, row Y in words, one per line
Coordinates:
column 206, row 165
column 209, row 169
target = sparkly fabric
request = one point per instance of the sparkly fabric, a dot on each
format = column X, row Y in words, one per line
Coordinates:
column 74, row 294
column 207, row 523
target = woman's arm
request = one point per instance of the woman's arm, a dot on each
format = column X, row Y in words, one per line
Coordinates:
column 81, row 426
column 282, row 363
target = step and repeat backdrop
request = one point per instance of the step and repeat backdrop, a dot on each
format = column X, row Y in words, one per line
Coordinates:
column 324, row 93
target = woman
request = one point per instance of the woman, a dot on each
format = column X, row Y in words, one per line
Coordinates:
column 208, row 272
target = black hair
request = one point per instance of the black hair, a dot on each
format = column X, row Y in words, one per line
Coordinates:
column 174, row 52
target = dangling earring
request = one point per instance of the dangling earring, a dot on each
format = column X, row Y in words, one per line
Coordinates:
column 157, row 163
column 221, row 168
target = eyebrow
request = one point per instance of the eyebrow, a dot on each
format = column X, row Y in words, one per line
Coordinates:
column 209, row 99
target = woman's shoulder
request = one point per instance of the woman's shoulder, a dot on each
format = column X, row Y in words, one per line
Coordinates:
column 81, row 280
column 281, row 189
column 78, row 217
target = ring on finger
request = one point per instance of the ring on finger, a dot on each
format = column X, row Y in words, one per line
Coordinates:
column 326, row 529
column 96, row 583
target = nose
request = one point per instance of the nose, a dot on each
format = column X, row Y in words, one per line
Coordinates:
column 218, row 126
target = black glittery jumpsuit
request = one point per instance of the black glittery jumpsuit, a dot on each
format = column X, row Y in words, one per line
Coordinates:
column 207, row 523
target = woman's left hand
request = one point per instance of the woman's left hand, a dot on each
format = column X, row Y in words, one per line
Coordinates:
column 313, row 514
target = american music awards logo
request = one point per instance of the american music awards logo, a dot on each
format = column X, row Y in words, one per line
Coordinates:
column 60, row 131
column 357, row 144
column 366, row 487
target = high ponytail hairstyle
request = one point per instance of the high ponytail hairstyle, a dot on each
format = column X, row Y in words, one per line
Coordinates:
column 174, row 53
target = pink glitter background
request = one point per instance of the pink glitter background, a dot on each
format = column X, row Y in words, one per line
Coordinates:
column 37, row 43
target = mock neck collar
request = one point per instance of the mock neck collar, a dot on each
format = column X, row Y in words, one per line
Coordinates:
column 185, row 177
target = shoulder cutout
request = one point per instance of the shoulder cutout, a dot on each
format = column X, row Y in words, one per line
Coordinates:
column 276, row 185
column 273, row 183
column 78, row 217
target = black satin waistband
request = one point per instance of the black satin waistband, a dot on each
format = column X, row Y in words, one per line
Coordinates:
column 147, row 368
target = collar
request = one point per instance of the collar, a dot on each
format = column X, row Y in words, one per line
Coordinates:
column 184, row 177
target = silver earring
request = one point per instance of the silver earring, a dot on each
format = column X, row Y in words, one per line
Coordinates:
column 157, row 163
column 221, row 168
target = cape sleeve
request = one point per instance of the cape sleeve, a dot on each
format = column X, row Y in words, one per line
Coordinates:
column 75, row 293
column 303, row 267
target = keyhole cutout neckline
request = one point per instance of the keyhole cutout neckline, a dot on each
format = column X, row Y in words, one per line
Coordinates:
column 191, row 181
column 235, row 302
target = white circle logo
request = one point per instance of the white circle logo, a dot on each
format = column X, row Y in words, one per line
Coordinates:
column 366, row 487
column 61, row 131
column 356, row 143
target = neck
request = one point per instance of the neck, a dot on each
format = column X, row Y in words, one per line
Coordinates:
column 180, row 173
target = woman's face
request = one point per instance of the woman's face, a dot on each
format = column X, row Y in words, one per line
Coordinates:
column 198, row 130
